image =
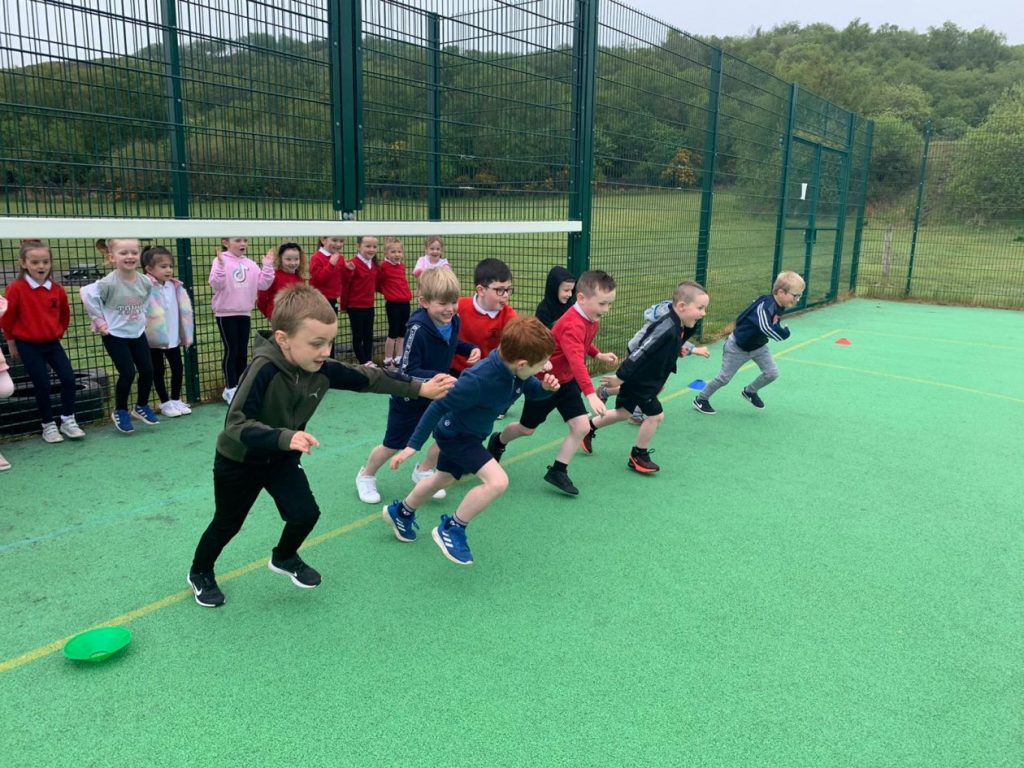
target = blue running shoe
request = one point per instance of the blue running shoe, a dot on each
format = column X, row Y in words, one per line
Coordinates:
column 145, row 414
column 123, row 421
column 451, row 539
column 402, row 525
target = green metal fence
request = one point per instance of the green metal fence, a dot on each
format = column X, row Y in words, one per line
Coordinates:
column 681, row 161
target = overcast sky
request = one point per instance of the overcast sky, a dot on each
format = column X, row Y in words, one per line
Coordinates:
column 742, row 17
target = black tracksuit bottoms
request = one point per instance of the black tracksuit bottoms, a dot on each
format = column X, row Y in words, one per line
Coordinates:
column 235, row 489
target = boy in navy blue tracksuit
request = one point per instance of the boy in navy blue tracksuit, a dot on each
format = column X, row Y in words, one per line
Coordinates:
column 460, row 428
column 756, row 324
column 643, row 374
column 431, row 341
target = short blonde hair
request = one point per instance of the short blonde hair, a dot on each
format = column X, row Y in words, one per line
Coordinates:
column 297, row 303
column 441, row 285
column 787, row 280
column 688, row 291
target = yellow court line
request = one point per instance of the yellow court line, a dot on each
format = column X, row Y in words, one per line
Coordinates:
column 45, row 650
column 886, row 375
column 941, row 341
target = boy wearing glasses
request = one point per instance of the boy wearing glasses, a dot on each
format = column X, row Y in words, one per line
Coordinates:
column 749, row 341
column 485, row 314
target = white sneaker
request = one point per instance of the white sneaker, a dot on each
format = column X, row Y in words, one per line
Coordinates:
column 366, row 485
column 4, row 463
column 417, row 476
column 228, row 394
column 169, row 409
column 69, row 428
column 51, row 434
column 182, row 407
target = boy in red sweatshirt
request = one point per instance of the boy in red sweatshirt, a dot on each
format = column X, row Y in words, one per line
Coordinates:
column 574, row 342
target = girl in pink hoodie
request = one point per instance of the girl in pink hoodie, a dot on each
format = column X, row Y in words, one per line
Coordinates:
column 236, row 280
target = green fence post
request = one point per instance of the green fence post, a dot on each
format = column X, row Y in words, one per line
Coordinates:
column 917, row 206
column 858, row 234
column 345, row 27
column 708, row 176
column 787, row 141
column 844, row 183
column 581, row 193
column 179, row 171
column 433, row 117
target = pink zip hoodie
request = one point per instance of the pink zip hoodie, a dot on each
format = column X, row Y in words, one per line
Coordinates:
column 236, row 281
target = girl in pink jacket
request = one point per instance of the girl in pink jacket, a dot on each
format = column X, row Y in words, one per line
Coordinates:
column 236, row 280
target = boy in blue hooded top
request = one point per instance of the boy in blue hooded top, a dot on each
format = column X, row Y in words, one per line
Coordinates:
column 461, row 426
column 431, row 341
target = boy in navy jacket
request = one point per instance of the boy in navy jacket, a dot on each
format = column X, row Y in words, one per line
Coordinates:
column 644, row 372
column 471, row 407
column 756, row 324
column 431, row 341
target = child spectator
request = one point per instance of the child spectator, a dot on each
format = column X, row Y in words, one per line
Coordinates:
column 432, row 258
column 235, row 280
column 117, row 305
column 362, row 288
column 169, row 328
column 394, row 285
column 36, row 319
column 289, row 269
column 755, row 325
column 432, row 338
column 328, row 272
column 460, row 423
column 642, row 375
column 558, row 296
column 574, row 341
column 6, row 382
column 264, row 434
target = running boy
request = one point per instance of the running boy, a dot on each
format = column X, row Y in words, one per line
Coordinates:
column 462, row 421
column 431, row 340
column 574, row 341
column 643, row 374
column 749, row 341
column 486, row 313
column 264, row 433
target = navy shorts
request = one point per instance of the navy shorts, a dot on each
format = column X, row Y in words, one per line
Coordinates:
column 461, row 455
column 403, row 417
column 568, row 400
column 649, row 405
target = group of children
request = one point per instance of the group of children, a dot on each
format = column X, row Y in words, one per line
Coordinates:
column 473, row 357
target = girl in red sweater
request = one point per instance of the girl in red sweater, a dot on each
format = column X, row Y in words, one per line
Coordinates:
column 37, row 316
column 393, row 283
column 362, row 290
column 289, row 268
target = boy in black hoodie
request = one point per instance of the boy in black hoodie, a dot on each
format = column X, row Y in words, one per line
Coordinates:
column 643, row 374
column 264, row 433
column 559, row 295
column 431, row 341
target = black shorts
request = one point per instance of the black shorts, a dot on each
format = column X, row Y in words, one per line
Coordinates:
column 398, row 318
column 568, row 400
column 403, row 418
column 649, row 405
column 461, row 455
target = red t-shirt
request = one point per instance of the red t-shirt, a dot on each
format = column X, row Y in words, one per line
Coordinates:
column 479, row 329
column 392, row 282
column 38, row 314
column 265, row 299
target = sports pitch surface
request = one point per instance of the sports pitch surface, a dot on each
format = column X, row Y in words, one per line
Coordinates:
column 837, row 580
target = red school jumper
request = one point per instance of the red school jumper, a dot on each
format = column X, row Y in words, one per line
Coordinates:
column 479, row 329
column 282, row 279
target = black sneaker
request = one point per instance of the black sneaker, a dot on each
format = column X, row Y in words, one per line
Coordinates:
column 296, row 569
column 588, row 442
column 753, row 399
column 704, row 406
column 495, row 447
column 561, row 481
column 640, row 461
column 205, row 588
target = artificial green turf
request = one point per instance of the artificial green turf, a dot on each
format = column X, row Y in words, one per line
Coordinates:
column 836, row 580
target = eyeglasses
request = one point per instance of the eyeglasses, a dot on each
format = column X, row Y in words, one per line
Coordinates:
column 796, row 296
column 501, row 291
